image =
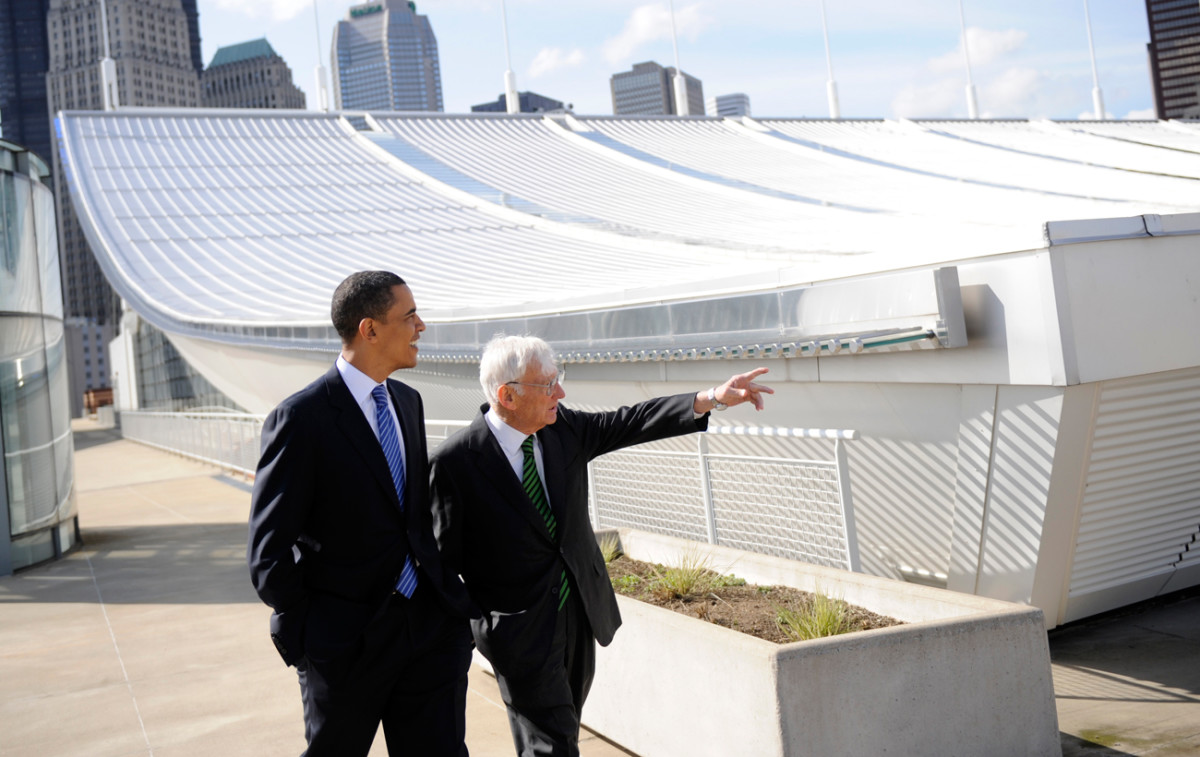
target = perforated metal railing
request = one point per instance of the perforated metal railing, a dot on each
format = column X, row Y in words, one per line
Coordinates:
column 762, row 495
column 227, row 440
column 771, row 503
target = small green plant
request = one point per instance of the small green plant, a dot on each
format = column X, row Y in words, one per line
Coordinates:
column 627, row 584
column 691, row 576
column 610, row 546
column 821, row 616
column 728, row 580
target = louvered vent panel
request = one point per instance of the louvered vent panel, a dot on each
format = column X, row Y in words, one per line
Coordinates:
column 1141, row 505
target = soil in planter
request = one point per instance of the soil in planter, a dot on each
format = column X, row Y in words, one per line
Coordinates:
column 728, row 601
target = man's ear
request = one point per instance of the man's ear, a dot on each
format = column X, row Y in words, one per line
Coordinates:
column 504, row 395
column 366, row 329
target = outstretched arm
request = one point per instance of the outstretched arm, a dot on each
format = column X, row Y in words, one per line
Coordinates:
column 738, row 389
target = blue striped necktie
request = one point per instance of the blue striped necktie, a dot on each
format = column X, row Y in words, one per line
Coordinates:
column 390, row 442
column 532, row 483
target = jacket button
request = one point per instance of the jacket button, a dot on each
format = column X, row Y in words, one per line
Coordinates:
column 554, row 590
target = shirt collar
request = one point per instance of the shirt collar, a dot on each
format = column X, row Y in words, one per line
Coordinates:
column 509, row 438
column 360, row 384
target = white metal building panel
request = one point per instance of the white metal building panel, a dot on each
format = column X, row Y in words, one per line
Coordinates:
column 1140, row 516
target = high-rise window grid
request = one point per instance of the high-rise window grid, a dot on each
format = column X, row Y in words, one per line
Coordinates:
column 385, row 58
column 1175, row 57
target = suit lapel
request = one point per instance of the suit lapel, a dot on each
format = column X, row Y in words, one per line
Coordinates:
column 492, row 463
column 353, row 424
column 410, row 430
column 555, row 472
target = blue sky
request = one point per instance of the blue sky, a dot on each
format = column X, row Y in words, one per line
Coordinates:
column 1029, row 58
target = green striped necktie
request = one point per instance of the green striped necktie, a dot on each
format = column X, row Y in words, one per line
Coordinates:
column 537, row 495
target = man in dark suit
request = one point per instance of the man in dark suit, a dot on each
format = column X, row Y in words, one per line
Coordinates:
column 341, row 543
column 510, row 506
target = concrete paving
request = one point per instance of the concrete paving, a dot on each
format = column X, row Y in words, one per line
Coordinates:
column 150, row 641
column 1128, row 682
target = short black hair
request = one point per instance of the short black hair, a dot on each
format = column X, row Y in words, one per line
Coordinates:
column 365, row 294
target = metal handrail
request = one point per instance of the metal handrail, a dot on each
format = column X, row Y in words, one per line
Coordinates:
column 230, row 440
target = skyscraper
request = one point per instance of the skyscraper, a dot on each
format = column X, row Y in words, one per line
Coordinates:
column 647, row 90
column 24, row 59
column 150, row 43
column 192, row 14
column 1175, row 57
column 385, row 58
column 530, row 102
column 249, row 75
column 736, row 104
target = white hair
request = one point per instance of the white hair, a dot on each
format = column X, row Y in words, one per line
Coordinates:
column 506, row 358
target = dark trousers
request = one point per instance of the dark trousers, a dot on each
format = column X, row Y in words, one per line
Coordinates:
column 544, row 705
column 409, row 672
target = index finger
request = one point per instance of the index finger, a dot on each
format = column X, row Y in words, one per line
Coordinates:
column 751, row 375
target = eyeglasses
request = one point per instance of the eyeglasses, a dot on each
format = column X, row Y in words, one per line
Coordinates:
column 547, row 388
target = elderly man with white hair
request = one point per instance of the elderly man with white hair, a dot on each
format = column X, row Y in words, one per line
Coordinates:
column 510, row 498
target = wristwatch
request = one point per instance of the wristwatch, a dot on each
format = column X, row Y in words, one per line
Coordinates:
column 716, row 403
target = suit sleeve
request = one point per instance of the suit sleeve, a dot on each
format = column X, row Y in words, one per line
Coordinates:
column 279, row 508
column 658, row 418
column 445, row 501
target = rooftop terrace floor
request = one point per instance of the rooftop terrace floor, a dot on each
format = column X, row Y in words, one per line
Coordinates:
column 149, row 639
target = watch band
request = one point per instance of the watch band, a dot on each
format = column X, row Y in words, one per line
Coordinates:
column 712, row 397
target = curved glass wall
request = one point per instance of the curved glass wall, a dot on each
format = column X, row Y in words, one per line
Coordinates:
column 38, row 519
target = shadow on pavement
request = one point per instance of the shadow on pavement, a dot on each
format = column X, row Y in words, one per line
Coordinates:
column 172, row 564
column 1137, row 653
column 96, row 437
column 1074, row 746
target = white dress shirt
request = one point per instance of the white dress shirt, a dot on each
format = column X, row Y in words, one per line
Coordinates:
column 510, row 443
column 361, row 385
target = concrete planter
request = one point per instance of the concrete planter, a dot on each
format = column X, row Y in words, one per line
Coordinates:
column 965, row 676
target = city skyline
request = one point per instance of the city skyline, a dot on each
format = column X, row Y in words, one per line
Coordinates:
column 1028, row 60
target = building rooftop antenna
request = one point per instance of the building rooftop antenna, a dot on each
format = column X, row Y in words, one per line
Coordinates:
column 512, row 100
column 830, row 86
column 108, row 67
column 322, row 87
column 972, row 104
column 681, row 100
column 1097, row 95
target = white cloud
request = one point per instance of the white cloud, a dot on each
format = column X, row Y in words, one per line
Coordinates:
column 1146, row 114
column 650, row 23
column 1013, row 93
column 946, row 98
column 985, row 46
column 551, row 59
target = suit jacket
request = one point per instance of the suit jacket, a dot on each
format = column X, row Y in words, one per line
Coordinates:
column 490, row 532
column 327, row 536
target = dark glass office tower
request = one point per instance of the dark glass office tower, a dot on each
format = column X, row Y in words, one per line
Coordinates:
column 385, row 57
column 193, row 24
column 1175, row 57
column 24, row 59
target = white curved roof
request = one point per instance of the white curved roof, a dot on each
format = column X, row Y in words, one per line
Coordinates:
column 538, row 161
column 1064, row 187
column 237, row 225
